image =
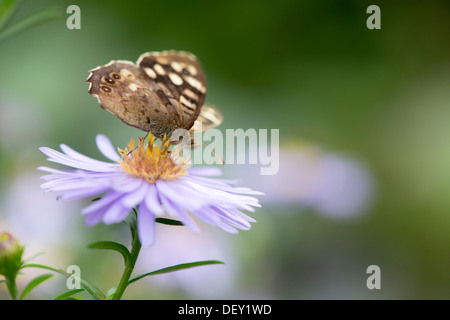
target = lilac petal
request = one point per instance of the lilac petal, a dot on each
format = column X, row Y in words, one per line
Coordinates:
column 226, row 227
column 72, row 184
column 134, row 198
column 106, row 148
column 52, row 170
column 232, row 219
column 176, row 211
column 214, row 216
column 200, row 196
column 242, row 215
column 206, row 216
column 181, row 214
column 60, row 177
column 216, row 184
column 95, row 217
column 213, row 183
column 222, row 184
column 126, row 184
column 104, row 202
column 115, row 213
column 81, row 157
column 83, row 193
column 64, row 159
column 223, row 198
column 145, row 225
column 152, row 202
column 241, row 190
column 181, row 195
column 79, row 174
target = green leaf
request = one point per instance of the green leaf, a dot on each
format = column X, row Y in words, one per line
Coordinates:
column 33, row 284
column 110, row 293
column 89, row 287
column 169, row 221
column 111, row 245
column 177, row 267
column 34, row 256
column 30, row 21
column 132, row 223
column 7, row 8
column 68, row 294
column 74, row 298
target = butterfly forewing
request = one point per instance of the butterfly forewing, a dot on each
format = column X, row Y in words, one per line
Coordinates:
column 181, row 78
column 163, row 92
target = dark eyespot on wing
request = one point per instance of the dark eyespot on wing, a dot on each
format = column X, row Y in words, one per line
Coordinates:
column 109, row 80
column 106, row 89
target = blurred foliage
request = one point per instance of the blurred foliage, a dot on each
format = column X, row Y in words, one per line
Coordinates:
column 8, row 8
column 311, row 69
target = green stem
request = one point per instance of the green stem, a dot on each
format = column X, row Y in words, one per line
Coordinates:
column 135, row 248
column 12, row 287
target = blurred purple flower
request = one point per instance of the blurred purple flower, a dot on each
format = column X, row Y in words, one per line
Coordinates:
column 332, row 184
column 154, row 180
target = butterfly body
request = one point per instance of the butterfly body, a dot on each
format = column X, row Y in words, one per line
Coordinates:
column 162, row 92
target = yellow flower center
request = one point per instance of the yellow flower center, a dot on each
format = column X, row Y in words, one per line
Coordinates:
column 152, row 162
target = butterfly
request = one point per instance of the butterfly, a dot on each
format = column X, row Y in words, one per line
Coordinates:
column 162, row 92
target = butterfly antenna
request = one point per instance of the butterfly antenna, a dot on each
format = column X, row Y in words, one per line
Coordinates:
column 215, row 154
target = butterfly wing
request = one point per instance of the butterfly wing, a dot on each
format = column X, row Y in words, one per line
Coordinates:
column 180, row 77
column 209, row 117
column 127, row 92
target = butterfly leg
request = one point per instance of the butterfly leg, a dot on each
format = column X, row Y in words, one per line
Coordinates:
column 140, row 138
column 145, row 137
column 194, row 145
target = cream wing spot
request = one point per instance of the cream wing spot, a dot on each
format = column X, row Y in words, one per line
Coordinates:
column 149, row 71
column 133, row 86
column 126, row 73
column 159, row 69
column 176, row 79
column 178, row 67
column 192, row 70
column 190, row 94
column 196, row 84
column 188, row 104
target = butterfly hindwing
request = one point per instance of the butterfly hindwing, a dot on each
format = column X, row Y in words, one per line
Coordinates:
column 209, row 117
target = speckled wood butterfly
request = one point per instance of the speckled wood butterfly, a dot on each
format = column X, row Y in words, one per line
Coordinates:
column 162, row 92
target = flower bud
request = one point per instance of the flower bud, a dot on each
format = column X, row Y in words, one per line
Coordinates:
column 10, row 255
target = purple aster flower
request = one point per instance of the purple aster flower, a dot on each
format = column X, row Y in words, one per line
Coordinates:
column 153, row 179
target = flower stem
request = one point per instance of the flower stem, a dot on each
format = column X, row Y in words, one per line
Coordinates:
column 135, row 248
column 12, row 287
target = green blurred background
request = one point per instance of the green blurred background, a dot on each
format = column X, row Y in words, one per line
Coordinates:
column 311, row 69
